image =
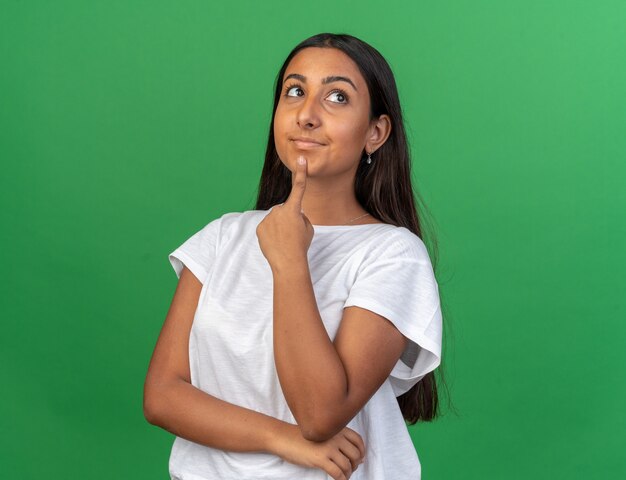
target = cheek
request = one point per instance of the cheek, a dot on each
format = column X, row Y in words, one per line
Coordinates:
column 348, row 134
column 279, row 135
column 281, row 122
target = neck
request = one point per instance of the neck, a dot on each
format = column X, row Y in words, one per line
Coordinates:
column 330, row 205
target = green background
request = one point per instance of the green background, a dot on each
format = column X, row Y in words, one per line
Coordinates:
column 125, row 127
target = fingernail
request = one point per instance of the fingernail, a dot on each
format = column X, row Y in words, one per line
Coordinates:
column 301, row 160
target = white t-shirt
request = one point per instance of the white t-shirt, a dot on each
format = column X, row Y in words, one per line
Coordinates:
column 380, row 267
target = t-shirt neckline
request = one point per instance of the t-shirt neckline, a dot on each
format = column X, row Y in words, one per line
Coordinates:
column 342, row 227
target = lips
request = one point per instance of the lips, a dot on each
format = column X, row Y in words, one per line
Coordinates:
column 304, row 143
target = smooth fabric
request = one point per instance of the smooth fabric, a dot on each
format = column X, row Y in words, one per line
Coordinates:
column 380, row 267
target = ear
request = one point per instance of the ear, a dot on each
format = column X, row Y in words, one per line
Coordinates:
column 378, row 133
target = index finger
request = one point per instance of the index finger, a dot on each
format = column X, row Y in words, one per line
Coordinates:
column 298, row 185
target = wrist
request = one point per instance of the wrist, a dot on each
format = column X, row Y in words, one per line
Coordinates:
column 278, row 436
column 290, row 269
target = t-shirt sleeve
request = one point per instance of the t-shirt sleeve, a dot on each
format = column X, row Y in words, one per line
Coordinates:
column 198, row 252
column 396, row 280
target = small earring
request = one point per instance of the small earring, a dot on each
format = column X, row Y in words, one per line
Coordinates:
column 369, row 158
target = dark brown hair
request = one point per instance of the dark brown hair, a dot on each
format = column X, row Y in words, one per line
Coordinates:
column 383, row 188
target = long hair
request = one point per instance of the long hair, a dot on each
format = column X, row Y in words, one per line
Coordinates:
column 383, row 188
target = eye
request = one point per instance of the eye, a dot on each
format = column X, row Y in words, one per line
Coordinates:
column 289, row 88
column 340, row 95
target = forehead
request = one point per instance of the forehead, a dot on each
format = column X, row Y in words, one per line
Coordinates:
column 316, row 63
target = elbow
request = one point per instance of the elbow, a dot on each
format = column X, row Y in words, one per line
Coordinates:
column 317, row 431
column 315, row 435
column 150, row 407
column 149, row 414
column 322, row 421
column 157, row 400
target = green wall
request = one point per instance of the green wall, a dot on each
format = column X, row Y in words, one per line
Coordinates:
column 127, row 126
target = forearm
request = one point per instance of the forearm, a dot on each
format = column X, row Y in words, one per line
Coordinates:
column 309, row 368
column 190, row 413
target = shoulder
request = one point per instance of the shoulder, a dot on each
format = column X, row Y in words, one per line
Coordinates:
column 230, row 220
column 241, row 220
column 232, row 226
column 398, row 242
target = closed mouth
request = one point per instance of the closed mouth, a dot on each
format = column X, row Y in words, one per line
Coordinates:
column 306, row 143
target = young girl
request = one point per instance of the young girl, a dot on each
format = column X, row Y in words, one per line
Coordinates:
column 303, row 335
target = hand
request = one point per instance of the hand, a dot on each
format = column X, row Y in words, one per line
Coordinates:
column 285, row 233
column 339, row 456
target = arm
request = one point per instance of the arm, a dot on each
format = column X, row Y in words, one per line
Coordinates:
column 327, row 383
column 172, row 403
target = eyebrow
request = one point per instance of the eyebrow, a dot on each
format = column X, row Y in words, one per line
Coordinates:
column 332, row 78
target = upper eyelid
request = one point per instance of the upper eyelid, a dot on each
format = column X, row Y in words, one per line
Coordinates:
column 335, row 90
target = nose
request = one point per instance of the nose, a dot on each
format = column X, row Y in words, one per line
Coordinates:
column 307, row 116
